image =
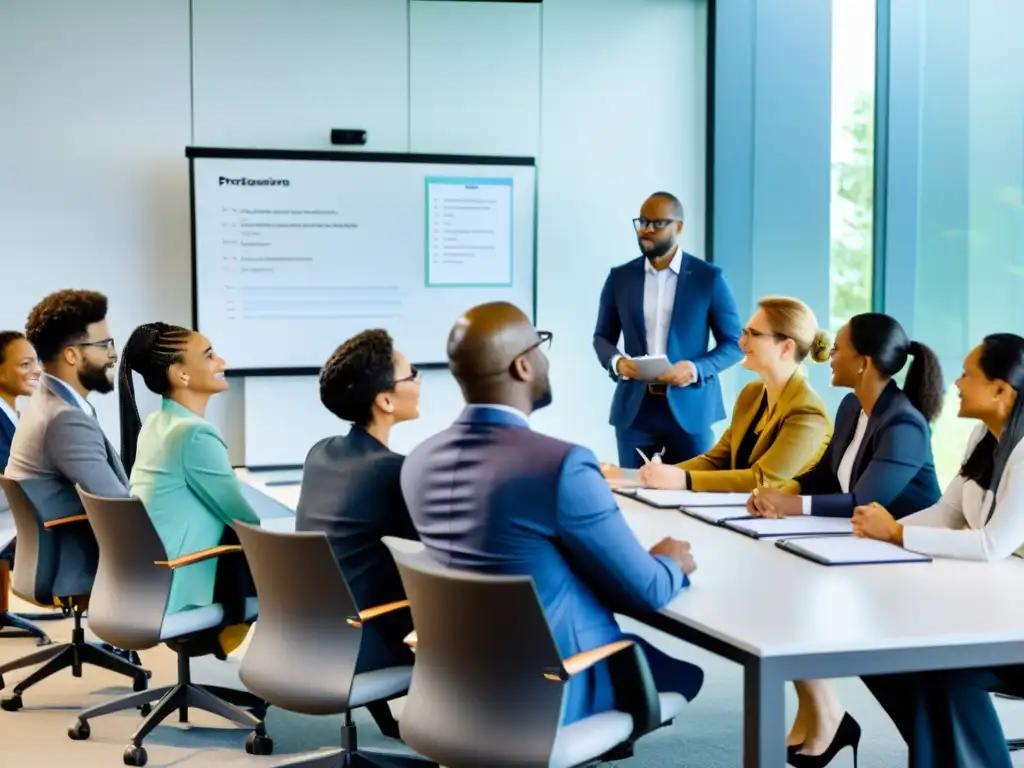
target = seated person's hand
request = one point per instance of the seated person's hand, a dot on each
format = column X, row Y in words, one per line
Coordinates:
column 681, row 374
column 771, row 502
column 676, row 550
column 610, row 471
column 654, row 474
column 626, row 368
column 873, row 521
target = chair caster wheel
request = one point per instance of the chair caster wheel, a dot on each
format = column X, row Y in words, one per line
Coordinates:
column 259, row 744
column 80, row 731
column 140, row 683
column 11, row 703
column 135, row 755
column 145, row 709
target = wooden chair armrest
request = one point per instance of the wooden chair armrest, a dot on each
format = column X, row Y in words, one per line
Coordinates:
column 411, row 639
column 585, row 660
column 65, row 521
column 377, row 610
column 198, row 557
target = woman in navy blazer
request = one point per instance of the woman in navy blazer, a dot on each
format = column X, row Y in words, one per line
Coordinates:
column 880, row 452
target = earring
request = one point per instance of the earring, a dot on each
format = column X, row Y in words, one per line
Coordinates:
column 184, row 379
column 860, row 370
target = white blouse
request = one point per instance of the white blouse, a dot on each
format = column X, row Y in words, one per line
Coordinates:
column 955, row 526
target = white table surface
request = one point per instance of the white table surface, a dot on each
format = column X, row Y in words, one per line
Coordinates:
column 770, row 602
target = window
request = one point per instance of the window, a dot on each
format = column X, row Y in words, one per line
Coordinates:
column 957, row 127
column 853, row 159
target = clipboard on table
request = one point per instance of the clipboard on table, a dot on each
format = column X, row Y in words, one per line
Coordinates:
column 717, row 515
column 663, row 499
column 849, row 550
column 795, row 526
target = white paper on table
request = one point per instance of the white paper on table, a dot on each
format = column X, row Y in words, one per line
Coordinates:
column 849, row 550
column 799, row 525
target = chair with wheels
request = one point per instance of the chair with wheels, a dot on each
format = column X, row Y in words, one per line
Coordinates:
column 488, row 682
column 13, row 625
column 133, row 583
column 44, row 575
column 302, row 657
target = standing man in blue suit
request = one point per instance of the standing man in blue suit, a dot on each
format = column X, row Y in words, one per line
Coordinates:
column 666, row 302
column 490, row 495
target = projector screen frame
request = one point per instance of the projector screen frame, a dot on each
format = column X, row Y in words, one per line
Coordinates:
column 194, row 152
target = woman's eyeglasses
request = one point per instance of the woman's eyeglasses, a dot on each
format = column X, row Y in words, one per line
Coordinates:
column 414, row 376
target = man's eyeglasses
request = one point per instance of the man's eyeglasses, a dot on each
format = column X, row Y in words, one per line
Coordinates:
column 107, row 344
column 543, row 340
column 641, row 224
column 414, row 376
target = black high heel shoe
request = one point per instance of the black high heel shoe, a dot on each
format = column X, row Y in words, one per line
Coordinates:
column 847, row 735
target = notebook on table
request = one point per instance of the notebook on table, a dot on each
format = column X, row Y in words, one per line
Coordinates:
column 717, row 515
column 676, row 499
column 849, row 550
column 800, row 525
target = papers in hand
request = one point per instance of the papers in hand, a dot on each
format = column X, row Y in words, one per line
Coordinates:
column 802, row 525
column 850, row 550
column 650, row 367
column 675, row 499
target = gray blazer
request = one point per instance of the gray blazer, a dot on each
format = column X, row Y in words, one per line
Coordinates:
column 58, row 445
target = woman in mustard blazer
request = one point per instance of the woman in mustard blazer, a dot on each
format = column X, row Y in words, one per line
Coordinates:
column 780, row 427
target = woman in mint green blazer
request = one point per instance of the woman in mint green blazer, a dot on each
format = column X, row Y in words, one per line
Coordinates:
column 177, row 461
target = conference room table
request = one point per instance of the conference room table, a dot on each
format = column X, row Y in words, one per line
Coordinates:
column 786, row 618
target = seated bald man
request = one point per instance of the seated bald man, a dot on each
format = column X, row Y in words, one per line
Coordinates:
column 490, row 495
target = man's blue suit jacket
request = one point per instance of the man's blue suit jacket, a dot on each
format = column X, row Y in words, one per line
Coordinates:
column 490, row 495
column 703, row 305
column 6, row 437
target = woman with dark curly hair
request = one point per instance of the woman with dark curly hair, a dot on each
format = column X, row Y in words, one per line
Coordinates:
column 350, row 483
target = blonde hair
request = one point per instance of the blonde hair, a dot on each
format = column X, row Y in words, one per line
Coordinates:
column 795, row 320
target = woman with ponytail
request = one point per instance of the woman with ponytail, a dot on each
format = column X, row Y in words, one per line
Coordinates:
column 979, row 517
column 178, row 462
column 880, row 452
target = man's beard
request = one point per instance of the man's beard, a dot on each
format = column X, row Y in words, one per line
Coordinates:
column 545, row 398
column 657, row 250
column 94, row 379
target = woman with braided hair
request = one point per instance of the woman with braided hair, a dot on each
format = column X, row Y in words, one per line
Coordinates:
column 178, row 463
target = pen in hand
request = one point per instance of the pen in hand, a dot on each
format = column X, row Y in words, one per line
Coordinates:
column 657, row 456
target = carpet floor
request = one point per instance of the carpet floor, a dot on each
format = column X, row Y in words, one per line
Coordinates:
column 709, row 735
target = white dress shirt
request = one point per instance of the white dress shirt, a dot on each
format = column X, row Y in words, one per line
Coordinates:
column 845, row 470
column 84, row 404
column 958, row 525
column 659, row 301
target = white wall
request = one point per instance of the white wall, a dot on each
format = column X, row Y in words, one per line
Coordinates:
column 608, row 94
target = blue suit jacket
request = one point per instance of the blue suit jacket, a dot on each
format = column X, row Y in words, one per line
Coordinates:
column 703, row 306
column 893, row 467
column 489, row 495
column 6, row 437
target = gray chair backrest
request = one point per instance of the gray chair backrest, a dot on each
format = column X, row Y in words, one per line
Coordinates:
column 38, row 555
column 478, row 694
column 302, row 656
column 129, row 595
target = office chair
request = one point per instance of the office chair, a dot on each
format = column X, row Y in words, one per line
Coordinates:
column 44, row 548
column 133, row 583
column 1011, row 692
column 303, row 652
column 488, row 682
column 12, row 625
